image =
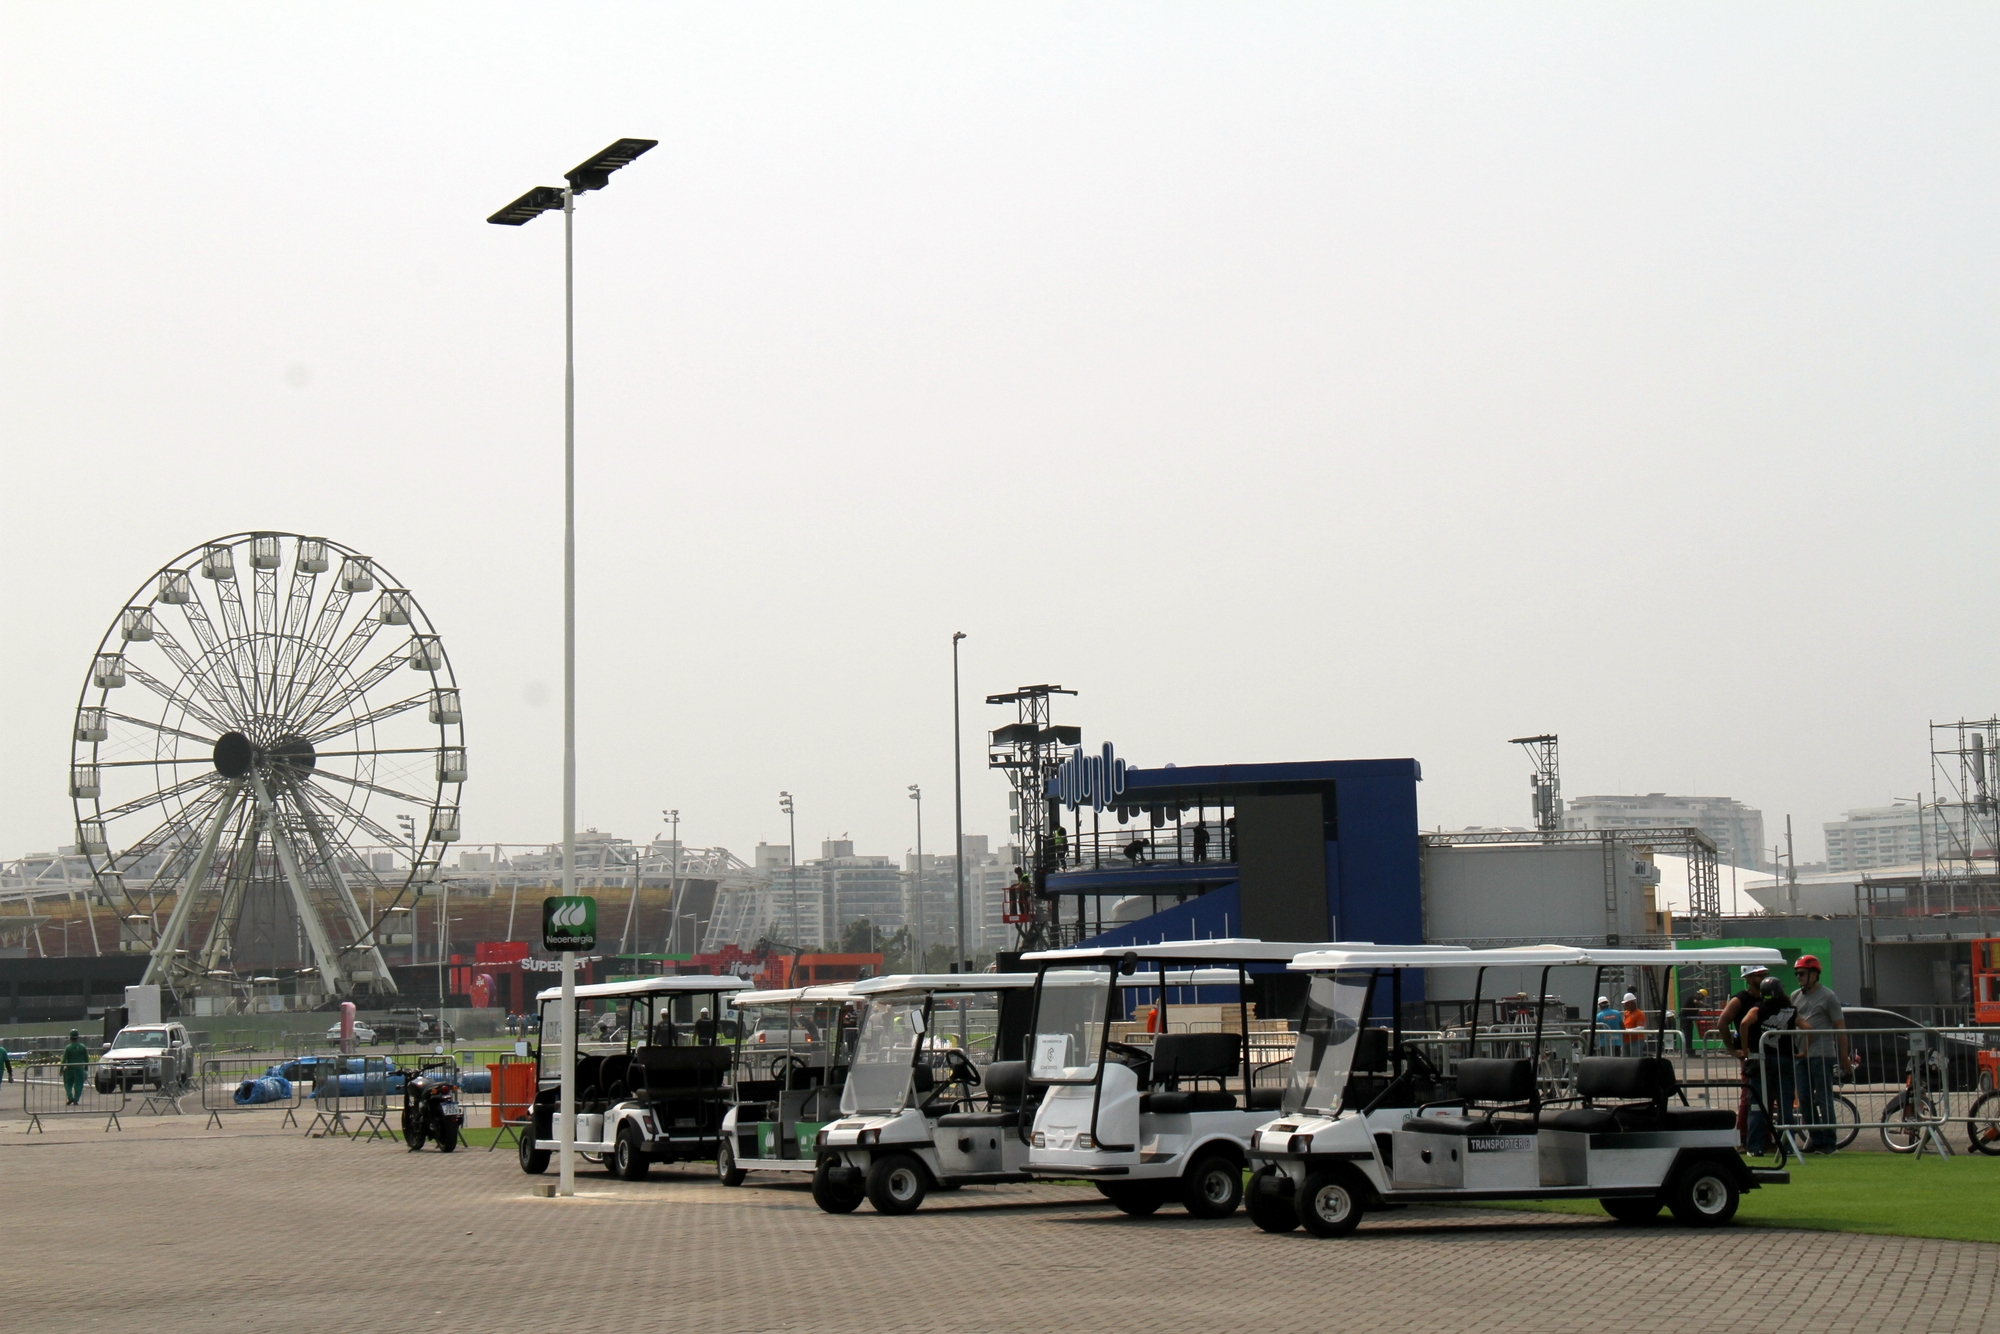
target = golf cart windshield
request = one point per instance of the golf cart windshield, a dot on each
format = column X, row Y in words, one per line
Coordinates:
column 891, row 1032
column 1327, row 1037
column 1069, row 1025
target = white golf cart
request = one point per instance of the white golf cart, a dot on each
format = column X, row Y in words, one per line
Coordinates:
column 1146, row 1109
column 1373, row 1118
column 656, row 1093
column 790, row 1067
column 934, row 1096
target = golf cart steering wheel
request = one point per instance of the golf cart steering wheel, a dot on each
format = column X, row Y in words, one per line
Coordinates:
column 1127, row 1049
column 784, row 1068
column 962, row 1068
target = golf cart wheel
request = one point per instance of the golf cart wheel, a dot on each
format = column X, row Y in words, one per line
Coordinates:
column 726, row 1170
column 1137, row 1198
column 1329, row 1204
column 1213, row 1187
column 896, row 1183
column 534, row 1161
column 1632, row 1208
column 1267, row 1209
column 1982, row 1125
column 833, row 1199
column 1703, row 1195
column 628, row 1159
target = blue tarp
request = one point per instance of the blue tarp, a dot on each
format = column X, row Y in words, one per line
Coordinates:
column 267, row 1088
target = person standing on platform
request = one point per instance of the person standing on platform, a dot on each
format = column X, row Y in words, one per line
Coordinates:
column 75, row 1065
column 1201, row 841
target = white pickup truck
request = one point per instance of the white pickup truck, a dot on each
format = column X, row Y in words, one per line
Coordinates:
column 147, row 1055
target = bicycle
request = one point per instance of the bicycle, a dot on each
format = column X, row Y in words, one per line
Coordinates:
column 1846, row 1116
column 1914, row 1111
column 1982, row 1124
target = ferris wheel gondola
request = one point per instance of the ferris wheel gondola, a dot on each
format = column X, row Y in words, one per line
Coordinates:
column 247, row 737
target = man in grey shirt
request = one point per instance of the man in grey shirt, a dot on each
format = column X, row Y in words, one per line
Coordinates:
column 1821, row 1041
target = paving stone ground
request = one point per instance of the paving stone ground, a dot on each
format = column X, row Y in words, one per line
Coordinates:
column 170, row 1226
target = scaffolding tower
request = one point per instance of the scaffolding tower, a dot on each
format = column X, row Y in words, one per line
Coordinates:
column 1029, row 750
column 1965, row 794
column 1545, row 782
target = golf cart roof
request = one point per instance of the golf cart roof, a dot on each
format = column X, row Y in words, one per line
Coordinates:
column 825, row 991
column 1231, row 949
column 874, row 986
column 649, row 986
column 1522, row 956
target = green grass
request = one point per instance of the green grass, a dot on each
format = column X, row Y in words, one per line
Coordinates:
column 1955, row 1200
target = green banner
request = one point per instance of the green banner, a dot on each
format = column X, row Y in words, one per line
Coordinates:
column 569, row 922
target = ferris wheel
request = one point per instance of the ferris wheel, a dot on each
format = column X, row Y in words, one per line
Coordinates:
column 267, row 763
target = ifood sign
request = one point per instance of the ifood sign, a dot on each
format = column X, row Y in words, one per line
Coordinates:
column 1095, row 780
column 569, row 922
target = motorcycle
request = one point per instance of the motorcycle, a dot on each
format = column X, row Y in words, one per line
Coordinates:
column 430, row 1107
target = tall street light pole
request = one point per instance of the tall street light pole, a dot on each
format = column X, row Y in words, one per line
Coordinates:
column 958, row 802
column 674, row 885
column 792, row 871
column 593, row 173
column 917, row 795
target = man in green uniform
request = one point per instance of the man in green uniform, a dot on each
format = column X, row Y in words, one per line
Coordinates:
column 75, row 1064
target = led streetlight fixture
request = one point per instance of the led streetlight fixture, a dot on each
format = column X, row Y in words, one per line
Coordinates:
column 529, row 206
column 594, row 173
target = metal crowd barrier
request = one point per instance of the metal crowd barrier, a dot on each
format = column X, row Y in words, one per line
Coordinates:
column 1906, row 1084
column 49, row 1090
column 227, row 1081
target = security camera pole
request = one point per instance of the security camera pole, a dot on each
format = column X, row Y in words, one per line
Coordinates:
column 592, row 174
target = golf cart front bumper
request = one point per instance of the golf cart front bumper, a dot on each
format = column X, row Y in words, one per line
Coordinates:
column 1069, row 1171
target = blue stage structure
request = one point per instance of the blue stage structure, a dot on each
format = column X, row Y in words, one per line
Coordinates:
column 1320, row 850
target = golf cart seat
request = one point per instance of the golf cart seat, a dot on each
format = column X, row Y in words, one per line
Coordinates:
column 1193, row 1057
column 1644, row 1084
column 1004, row 1082
column 679, row 1069
column 1510, row 1083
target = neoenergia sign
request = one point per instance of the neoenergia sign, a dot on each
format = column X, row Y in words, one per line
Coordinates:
column 1094, row 780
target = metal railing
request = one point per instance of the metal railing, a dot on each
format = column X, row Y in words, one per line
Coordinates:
column 54, row 1090
column 1140, row 845
column 241, row 1084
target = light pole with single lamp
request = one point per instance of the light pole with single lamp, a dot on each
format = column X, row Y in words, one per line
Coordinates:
column 958, row 808
column 593, row 173
column 917, row 795
column 792, row 871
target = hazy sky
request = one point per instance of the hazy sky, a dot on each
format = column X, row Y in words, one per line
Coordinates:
column 1295, row 381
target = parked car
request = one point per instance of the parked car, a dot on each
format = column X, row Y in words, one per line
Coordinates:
column 1885, row 1057
column 362, row 1032
column 158, row 1056
column 412, row 1025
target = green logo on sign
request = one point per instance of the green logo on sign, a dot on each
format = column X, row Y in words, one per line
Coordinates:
column 569, row 922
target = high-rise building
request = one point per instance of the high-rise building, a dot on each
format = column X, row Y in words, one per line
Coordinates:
column 1870, row 837
column 1737, row 830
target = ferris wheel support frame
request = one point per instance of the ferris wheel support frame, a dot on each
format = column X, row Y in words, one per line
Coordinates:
column 159, row 966
column 333, row 977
